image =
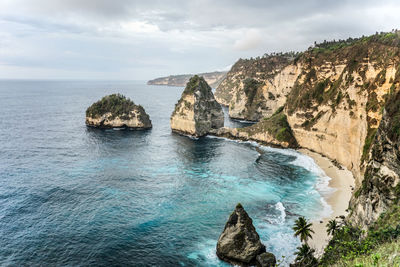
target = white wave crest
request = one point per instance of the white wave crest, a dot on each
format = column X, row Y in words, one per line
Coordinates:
column 279, row 206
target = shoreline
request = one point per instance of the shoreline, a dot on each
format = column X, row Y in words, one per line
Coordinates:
column 342, row 181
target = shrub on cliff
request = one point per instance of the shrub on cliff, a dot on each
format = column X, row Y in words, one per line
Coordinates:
column 276, row 125
column 349, row 243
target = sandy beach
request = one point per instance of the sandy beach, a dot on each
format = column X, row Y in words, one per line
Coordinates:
column 343, row 182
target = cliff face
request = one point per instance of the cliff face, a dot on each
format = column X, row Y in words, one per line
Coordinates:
column 212, row 78
column 253, row 87
column 197, row 112
column 380, row 187
column 117, row 111
column 335, row 104
column 334, row 96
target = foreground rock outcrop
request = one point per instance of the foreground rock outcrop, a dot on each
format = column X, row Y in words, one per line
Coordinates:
column 240, row 243
column 197, row 112
column 117, row 111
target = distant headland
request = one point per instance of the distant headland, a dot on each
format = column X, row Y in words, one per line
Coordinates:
column 212, row 78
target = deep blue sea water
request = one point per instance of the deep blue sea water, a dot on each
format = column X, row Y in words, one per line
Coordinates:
column 76, row 196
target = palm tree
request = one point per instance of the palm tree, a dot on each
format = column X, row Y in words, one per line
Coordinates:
column 332, row 227
column 303, row 229
column 305, row 256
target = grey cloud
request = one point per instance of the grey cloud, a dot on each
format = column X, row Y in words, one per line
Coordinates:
column 191, row 36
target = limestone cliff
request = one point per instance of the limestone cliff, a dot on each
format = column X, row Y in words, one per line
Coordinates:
column 334, row 95
column 117, row 111
column 197, row 112
column 256, row 88
column 336, row 102
column 212, row 78
column 380, row 187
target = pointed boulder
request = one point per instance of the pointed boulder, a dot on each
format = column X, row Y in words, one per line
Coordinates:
column 197, row 112
column 239, row 243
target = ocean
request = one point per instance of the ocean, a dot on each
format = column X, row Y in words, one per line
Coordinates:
column 77, row 196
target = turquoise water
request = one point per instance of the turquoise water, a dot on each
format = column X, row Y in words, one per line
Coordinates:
column 75, row 196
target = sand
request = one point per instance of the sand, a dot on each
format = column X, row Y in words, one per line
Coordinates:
column 343, row 183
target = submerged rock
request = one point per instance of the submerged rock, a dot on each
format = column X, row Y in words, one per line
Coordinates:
column 240, row 243
column 117, row 111
column 197, row 112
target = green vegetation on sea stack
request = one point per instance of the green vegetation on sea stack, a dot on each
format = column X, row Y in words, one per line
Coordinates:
column 117, row 104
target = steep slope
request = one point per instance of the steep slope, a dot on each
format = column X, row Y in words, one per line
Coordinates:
column 336, row 103
column 212, row 78
column 380, row 188
column 256, row 88
column 333, row 96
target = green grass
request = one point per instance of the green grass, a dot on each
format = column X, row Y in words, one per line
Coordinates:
column 385, row 255
column 350, row 244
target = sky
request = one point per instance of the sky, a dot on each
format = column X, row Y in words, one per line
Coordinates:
column 140, row 40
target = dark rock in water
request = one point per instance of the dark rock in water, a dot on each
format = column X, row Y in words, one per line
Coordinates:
column 266, row 259
column 240, row 243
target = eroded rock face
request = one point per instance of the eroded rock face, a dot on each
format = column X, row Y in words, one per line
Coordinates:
column 256, row 88
column 197, row 112
column 239, row 243
column 117, row 111
column 380, row 186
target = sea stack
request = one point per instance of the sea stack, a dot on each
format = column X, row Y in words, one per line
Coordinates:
column 197, row 112
column 240, row 244
column 117, row 111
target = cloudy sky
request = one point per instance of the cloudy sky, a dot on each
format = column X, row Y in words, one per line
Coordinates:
column 139, row 40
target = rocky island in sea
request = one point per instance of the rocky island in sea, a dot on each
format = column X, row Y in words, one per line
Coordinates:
column 117, row 111
column 197, row 112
